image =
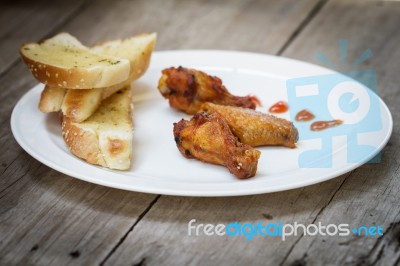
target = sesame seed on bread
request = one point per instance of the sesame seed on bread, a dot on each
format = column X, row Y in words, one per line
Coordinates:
column 105, row 138
column 62, row 61
column 80, row 104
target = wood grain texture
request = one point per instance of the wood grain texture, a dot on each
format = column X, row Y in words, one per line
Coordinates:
column 23, row 21
column 47, row 218
column 370, row 195
column 256, row 25
column 51, row 219
column 162, row 236
column 367, row 196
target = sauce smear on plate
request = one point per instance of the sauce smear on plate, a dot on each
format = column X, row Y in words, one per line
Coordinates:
column 321, row 125
column 279, row 107
column 304, row 115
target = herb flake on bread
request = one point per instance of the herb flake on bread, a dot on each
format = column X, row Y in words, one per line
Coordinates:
column 105, row 138
column 62, row 61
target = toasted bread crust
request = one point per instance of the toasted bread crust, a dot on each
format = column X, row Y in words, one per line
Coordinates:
column 82, row 143
column 80, row 104
column 62, row 61
column 105, row 139
column 75, row 78
column 140, row 62
column 140, row 66
column 51, row 99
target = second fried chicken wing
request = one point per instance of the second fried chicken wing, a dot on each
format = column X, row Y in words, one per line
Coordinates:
column 208, row 138
column 186, row 89
column 256, row 128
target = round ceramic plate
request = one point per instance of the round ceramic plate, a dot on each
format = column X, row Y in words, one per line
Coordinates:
column 157, row 165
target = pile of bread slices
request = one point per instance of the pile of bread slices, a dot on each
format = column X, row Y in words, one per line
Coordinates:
column 90, row 88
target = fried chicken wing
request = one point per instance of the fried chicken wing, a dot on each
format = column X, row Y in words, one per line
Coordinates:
column 208, row 138
column 256, row 128
column 186, row 89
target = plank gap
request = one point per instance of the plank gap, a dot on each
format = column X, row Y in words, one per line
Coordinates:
column 80, row 8
column 130, row 230
column 315, row 218
column 302, row 25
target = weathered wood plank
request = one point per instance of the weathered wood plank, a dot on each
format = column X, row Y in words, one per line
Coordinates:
column 370, row 195
column 162, row 235
column 24, row 21
column 47, row 217
column 51, row 219
column 367, row 196
column 256, row 26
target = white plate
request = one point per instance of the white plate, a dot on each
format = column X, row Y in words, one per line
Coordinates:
column 157, row 165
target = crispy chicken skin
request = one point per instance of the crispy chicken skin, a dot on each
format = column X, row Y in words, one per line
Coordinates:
column 255, row 128
column 186, row 89
column 208, row 138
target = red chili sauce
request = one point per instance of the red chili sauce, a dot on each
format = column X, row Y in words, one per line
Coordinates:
column 279, row 107
column 304, row 115
column 321, row 125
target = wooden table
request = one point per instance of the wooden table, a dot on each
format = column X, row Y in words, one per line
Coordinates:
column 47, row 218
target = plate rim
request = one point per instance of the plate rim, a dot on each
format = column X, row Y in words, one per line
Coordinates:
column 202, row 193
